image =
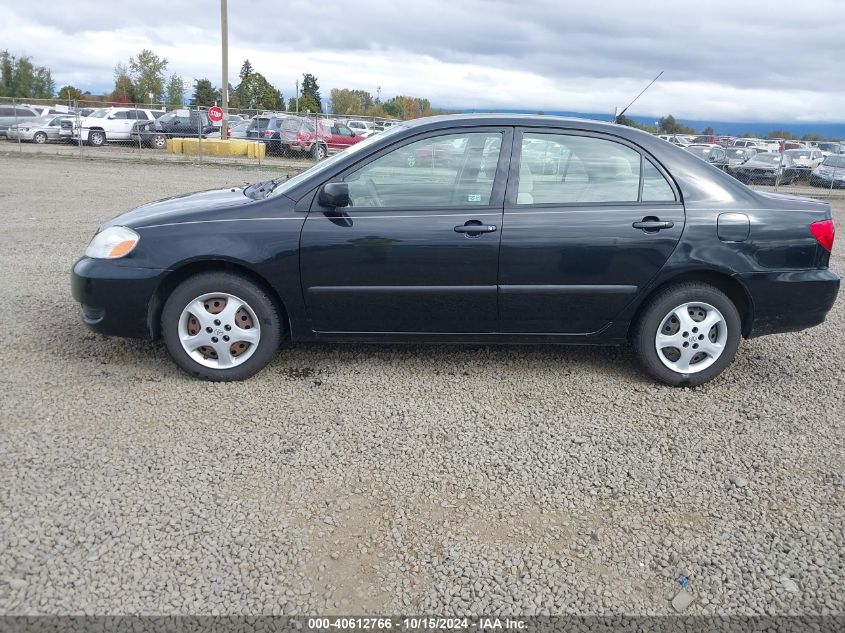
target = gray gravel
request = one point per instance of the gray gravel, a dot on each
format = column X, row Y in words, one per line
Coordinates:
column 366, row 479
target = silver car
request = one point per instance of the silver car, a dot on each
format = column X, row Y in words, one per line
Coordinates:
column 9, row 115
column 38, row 130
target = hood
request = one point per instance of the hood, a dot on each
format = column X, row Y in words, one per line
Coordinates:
column 204, row 205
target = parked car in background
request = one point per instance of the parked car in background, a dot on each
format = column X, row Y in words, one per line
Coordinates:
column 652, row 246
column 806, row 160
column 794, row 145
column 302, row 136
column 108, row 125
column 9, row 115
column 737, row 156
column 240, row 129
column 39, row 130
column 361, row 128
column 767, row 168
column 831, row 148
column 267, row 129
column 181, row 123
column 831, row 173
column 713, row 154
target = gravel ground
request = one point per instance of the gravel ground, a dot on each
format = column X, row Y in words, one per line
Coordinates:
column 365, row 479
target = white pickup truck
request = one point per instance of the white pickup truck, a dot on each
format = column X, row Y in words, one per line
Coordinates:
column 111, row 124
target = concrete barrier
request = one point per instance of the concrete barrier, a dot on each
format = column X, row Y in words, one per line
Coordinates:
column 217, row 147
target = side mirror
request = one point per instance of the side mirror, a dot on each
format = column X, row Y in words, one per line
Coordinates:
column 334, row 195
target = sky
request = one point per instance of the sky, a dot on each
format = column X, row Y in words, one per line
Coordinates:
column 739, row 60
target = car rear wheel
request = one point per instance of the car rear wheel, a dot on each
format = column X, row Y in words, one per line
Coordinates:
column 220, row 326
column 96, row 138
column 158, row 141
column 40, row 138
column 688, row 334
column 318, row 152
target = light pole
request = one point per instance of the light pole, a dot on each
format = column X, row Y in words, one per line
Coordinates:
column 224, row 89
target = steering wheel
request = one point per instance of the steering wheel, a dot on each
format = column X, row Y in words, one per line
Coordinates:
column 371, row 189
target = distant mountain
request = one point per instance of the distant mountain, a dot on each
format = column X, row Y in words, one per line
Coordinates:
column 732, row 128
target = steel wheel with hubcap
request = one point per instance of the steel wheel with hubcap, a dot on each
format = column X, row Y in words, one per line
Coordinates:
column 158, row 141
column 221, row 326
column 691, row 338
column 687, row 334
column 219, row 330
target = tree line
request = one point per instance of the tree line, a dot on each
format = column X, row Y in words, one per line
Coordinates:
column 143, row 78
column 670, row 125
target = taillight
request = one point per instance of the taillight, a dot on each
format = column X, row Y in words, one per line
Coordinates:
column 268, row 133
column 229, row 132
column 824, row 232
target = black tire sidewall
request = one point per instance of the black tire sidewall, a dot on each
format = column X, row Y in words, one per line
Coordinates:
column 96, row 134
column 652, row 317
column 256, row 297
column 40, row 138
column 154, row 141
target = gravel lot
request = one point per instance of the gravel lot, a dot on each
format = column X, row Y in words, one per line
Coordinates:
column 364, row 479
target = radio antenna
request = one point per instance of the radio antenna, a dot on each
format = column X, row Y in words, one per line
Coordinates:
column 625, row 109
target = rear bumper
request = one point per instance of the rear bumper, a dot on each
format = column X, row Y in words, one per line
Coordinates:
column 115, row 299
column 789, row 301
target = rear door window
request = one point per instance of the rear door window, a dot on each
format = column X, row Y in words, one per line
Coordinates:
column 560, row 169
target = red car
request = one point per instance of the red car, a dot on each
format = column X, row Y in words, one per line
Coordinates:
column 298, row 135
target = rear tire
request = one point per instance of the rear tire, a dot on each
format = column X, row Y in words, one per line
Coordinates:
column 196, row 319
column 675, row 314
column 318, row 152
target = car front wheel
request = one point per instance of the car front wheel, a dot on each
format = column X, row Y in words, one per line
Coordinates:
column 96, row 138
column 158, row 141
column 220, row 326
column 40, row 138
column 688, row 334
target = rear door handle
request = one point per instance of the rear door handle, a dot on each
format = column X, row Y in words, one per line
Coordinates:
column 652, row 225
column 476, row 228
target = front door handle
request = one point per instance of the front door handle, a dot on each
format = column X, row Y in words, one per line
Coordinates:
column 474, row 227
column 652, row 224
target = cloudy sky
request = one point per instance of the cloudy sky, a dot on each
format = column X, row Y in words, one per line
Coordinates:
column 738, row 60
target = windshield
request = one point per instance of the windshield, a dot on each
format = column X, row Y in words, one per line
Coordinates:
column 98, row 114
column 287, row 185
column 834, row 161
column 739, row 153
column 772, row 159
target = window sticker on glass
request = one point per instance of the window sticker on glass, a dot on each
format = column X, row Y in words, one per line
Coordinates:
column 474, row 197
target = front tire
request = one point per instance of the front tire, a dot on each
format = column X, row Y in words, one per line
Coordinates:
column 158, row 141
column 220, row 326
column 318, row 152
column 688, row 334
column 40, row 138
column 96, row 138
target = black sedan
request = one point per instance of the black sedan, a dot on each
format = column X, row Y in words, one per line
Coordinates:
column 768, row 168
column 620, row 238
column 181, row 123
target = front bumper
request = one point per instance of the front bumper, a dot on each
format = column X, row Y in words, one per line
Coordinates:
column 115, row 298
column 789, row 301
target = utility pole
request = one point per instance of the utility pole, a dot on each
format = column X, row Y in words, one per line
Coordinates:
column 297, row 96
column 224, row 89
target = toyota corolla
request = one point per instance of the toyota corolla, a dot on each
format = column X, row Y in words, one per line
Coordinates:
column 518, row 229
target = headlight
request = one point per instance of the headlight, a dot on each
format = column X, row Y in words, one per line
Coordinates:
column 113, row 242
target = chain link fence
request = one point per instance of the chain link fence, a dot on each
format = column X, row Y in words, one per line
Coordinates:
column 182, row 133
column 154, row 132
